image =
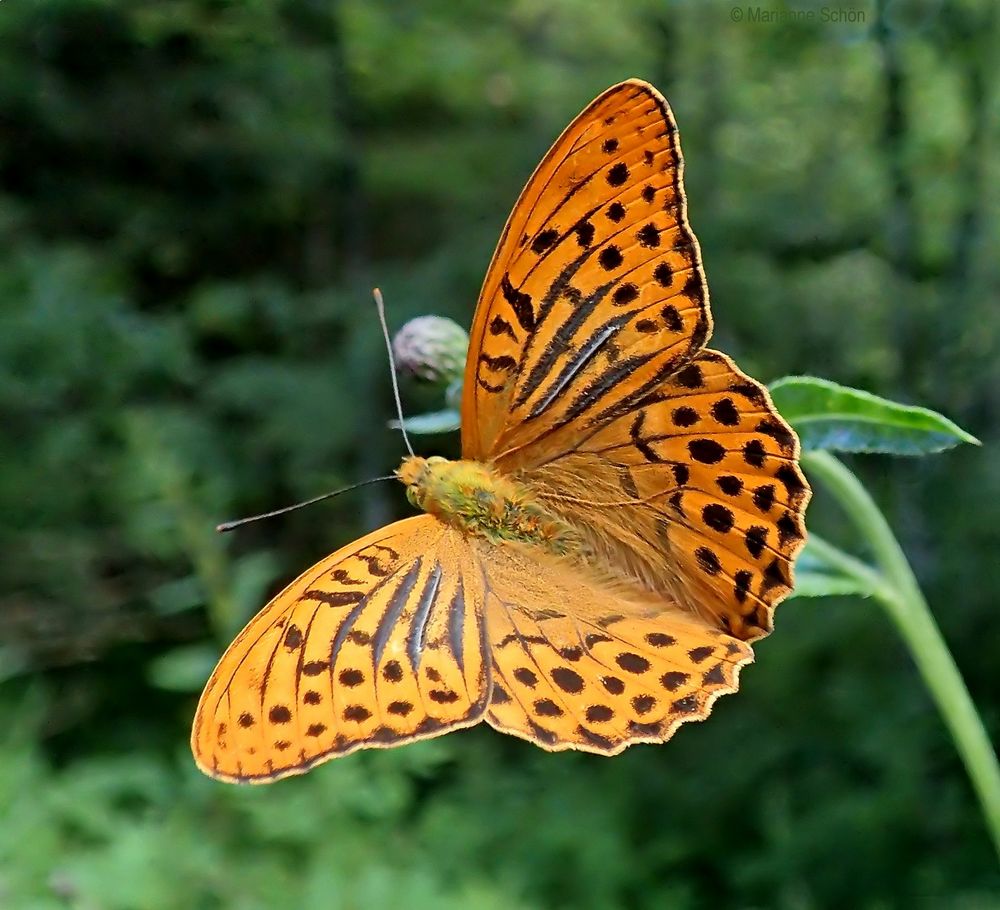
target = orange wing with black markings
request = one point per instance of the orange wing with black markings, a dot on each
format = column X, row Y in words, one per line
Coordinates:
column 596, row 290
column 588, row 380
column 379, row 644
column 580, row 662
column 699, row 483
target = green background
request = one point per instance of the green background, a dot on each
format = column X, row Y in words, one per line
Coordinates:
column 197, row 197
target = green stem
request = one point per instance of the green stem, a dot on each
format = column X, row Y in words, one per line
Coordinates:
column 908, row 609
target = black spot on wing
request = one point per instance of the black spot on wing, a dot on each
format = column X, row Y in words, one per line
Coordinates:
column 519, row 302
column 788, row 530
column 749, row 390
column 610, row 258
column 755, row 539
column 779, row 433
column 618, row 174
column 584, row 233
column 293, row 637
column 502, row 364
column 648, row 236
column 500, row 326
column 691, row 377
column 707, row 451
column 279, row 714
column 526, row 677
column 567, row 679
column 724, row 411
column 333, row 598
column 763, row 497
column 729, row 484
column 754, row 453
column 544, row 240
column 671, row 317
column 351, row 677
column 700, row 653
column 624, row 294
column 792, row 480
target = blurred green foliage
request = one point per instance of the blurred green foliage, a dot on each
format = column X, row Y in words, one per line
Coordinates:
column 198, row 195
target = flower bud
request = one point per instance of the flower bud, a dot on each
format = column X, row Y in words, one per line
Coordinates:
column 431, row 349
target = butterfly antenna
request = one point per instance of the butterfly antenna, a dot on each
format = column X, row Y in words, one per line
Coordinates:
column 229, row 525
column 380, row 306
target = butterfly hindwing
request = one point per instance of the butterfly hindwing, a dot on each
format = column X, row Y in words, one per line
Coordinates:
column 581, row 663
column 378, row 644
column 699, row 482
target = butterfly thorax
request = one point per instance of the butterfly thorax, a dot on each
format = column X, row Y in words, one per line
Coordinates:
column 476, row 499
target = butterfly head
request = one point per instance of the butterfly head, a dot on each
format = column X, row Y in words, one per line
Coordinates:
column 415, row 474
column 437, row 485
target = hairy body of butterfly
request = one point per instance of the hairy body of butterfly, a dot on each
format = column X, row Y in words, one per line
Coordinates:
column 476, row 499
column 620, row 528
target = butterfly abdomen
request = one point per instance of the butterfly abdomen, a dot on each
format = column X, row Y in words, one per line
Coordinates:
column 474, row 498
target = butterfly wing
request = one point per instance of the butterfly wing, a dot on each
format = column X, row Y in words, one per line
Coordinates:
column 587, row 376
column 588, row 380
column 698, row 482
column 379, row 644
column 580, row 662
column 596, row 290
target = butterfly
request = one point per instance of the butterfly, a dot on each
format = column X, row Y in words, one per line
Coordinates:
column 623, row 520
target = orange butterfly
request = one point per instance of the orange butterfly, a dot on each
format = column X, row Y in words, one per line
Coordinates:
column 621, row 525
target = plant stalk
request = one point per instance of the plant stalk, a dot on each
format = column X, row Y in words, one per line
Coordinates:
column 908, row 609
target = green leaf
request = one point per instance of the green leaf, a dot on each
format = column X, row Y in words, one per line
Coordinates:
column 445, row 421
column 840, row 419
column 177, row 595
column 453, row 394
column 817, row 576
column 827, row 584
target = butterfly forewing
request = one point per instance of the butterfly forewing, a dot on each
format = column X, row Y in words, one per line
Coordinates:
column 378, row 644
column 597, row 280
